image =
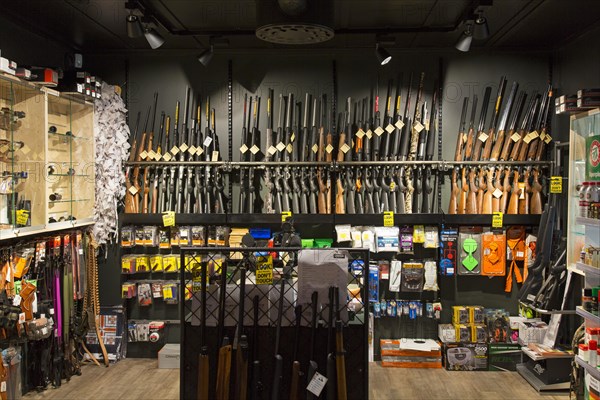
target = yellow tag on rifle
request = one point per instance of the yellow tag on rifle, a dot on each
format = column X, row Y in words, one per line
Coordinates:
column 292, row 137
column 175, row 150
column 369, row 134
column 345, row 148
column 556, row 184
column 272, row 150
column 497, row 220
column 169, row 218
column 133, row 190
column 315, row 148
column 151, row 154
column 184, row 147
column 254, row 149
column 280, row 146
column 329, row 149
column 192, row 150
column 264, row 270
column 22, row 217
column 548, row 139
column 515, row 137
column 215, row 156
column 399, row 124
column 285, row 215
column 388, row 218
column 534, row 134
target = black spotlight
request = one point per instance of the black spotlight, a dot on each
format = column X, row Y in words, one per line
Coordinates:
column 464, row 42
column 155, row 39
column 481, row 30
column 134, row 26
column 206, row 56
column 382, row 54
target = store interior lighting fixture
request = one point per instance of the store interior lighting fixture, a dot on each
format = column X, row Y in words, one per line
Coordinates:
column 383, row 55
column 206, row 56
column 464, row 41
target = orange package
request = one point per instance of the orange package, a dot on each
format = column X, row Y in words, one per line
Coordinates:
column 493, row 254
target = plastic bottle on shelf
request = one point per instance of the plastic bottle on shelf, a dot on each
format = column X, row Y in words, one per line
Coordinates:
column 593, row 198
column 583, row 206
column 593, row 355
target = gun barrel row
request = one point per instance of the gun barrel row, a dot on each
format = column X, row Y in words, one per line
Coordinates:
column 376, row 162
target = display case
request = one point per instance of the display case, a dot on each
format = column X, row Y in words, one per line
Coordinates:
column 584, row 179
column 46, row 160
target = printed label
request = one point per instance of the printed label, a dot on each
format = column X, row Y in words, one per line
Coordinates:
column 390, row 128
column 556, row 184
column 244, row 148
column 399, row 124
column 379, row 131
column 168, row 218
column 497, row 220
column 388, row 218
column 360, row 133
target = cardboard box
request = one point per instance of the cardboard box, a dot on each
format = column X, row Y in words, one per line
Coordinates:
column 463, row 333
column 466, row 356
column 532, row 331
column 476, row 315
column 168, row 356
column 460, row 315
column 447, row 333
column 479, row 333
column 410, row 353
column 504, row 356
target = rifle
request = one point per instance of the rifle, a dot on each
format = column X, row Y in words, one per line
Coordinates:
column 208, row 145
column 287, row 153
column 329, row 159
column 257, row 386
column 510, row 138
column 453, row 207
column 322, row 196
column 279, row 195
column 388, row 195
column 190, row 200
column 303, row 156
column 486, row 198
column 340, row 360
column 469, row 190
column 313, row 149
column 331, row 367
column 172, row 181
column 224, row 354
column 348, row 175
column 218, row 195
column 244, row 150
column 296, row 185
column 203, row 357
column 241, row 363
column 296, row 372
column 134, row 200
column 278, row 369
column 181, row 136
column 376, row 124
column 129, row 202
column 268, row 146
column 145, row 200
column 312, row 364
column 164, row 195
column 155, row 199
column 359, row 193
column 199, row 206
column 427, row 206
column 253, row 184
column 536, row 187
column 414, row 141
column 339, row 194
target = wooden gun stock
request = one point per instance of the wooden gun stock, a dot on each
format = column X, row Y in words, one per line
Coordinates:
column 505, row 191
column 497, row 188
column 497, row 145
column 322, row 197
column 339, row 197
column 453, row 207
column 223, row 372
column 481, row 190
column 472, row 197
column 340, row 362
column 524, row 197
column 515, row 193
column 145, row 201
column 536, row 195
column 487, row 205
column 132, row 200
column 203, row 373
column 295, row 380
column 506, row 147
column 462, row 202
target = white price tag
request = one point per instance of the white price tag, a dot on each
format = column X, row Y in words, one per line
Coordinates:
column 175, row 150
column 167, row 157
column 360, row 133
column 184, row 147
column 143, row 155
column 548, row 139
column 272, row 150
column 534, row 134
column 390, row 128
column 192, row 150
column 133, row 190
column 329, row 149
column 293, row 137
column 483, row 137
column 369, row 133
column 3, row 386
column 17, row 301
column 254, row 149
column 199, row 151
column 315, row 148
column 289, row 148
column 215, row 156
column 418, row 126
column 399, row 124
column 157, row 156
column 317, row 384
column 345, row 148
column 379, row 131
column 207, row 141
column 280, row 146
column 244, row 148
column 497, row 193
column 151, row 154
column 515, row 137
column 21, row 317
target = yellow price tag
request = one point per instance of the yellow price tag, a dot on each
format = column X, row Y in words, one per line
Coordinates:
column 497, row 220
column 556, row 184
column 22, row 217
column 388, row 218
column 264, row 270
column 286, row 215
column 169, row 218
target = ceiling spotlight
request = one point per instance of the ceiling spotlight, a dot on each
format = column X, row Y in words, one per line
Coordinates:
column 134, row 26
column 206, row 56
column 155, row 39
column 481, row 29
column 382, row 54
column 464, row 42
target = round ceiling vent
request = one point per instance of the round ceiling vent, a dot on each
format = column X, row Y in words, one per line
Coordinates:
column 295, row 33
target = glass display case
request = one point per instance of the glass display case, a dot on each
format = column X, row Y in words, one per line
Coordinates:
column 46, row 159
column 583, row 237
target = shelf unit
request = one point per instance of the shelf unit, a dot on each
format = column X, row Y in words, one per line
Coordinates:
column 594, row 372
column 46, row 148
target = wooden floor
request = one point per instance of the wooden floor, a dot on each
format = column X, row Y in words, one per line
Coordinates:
column 141, row 379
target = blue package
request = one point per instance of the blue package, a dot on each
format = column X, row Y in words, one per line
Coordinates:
column 448, row 251
column 373, row 283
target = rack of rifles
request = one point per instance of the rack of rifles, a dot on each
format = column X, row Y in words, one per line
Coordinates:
column 369, row 162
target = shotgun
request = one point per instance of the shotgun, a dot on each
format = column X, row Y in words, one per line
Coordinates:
column 146, row 198
column 224, row 359
column 188, row 198
column 478, row 187
column 129, row 207
column 173, row 169
column 453, row 207
column 296, row 371
column 157, row 174
column 536, row 187
column 313, row 149
column 241, row 362
column 244, row 157
column 331, row 366
column 200, row 205
column 468, row 189
column 339, row 194
column 321, row 180
column 135, row 202
column 163, row 185
column 268, row 152
column 312, row 364
column 279, row 194
column 181, row 137
column 340, row 360
column 427, row 206
column 287, row 155
column 415, row 128
column 278, row 363
column 203, row 358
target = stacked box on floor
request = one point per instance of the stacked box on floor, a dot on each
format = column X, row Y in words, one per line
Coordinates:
column 403, row 353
